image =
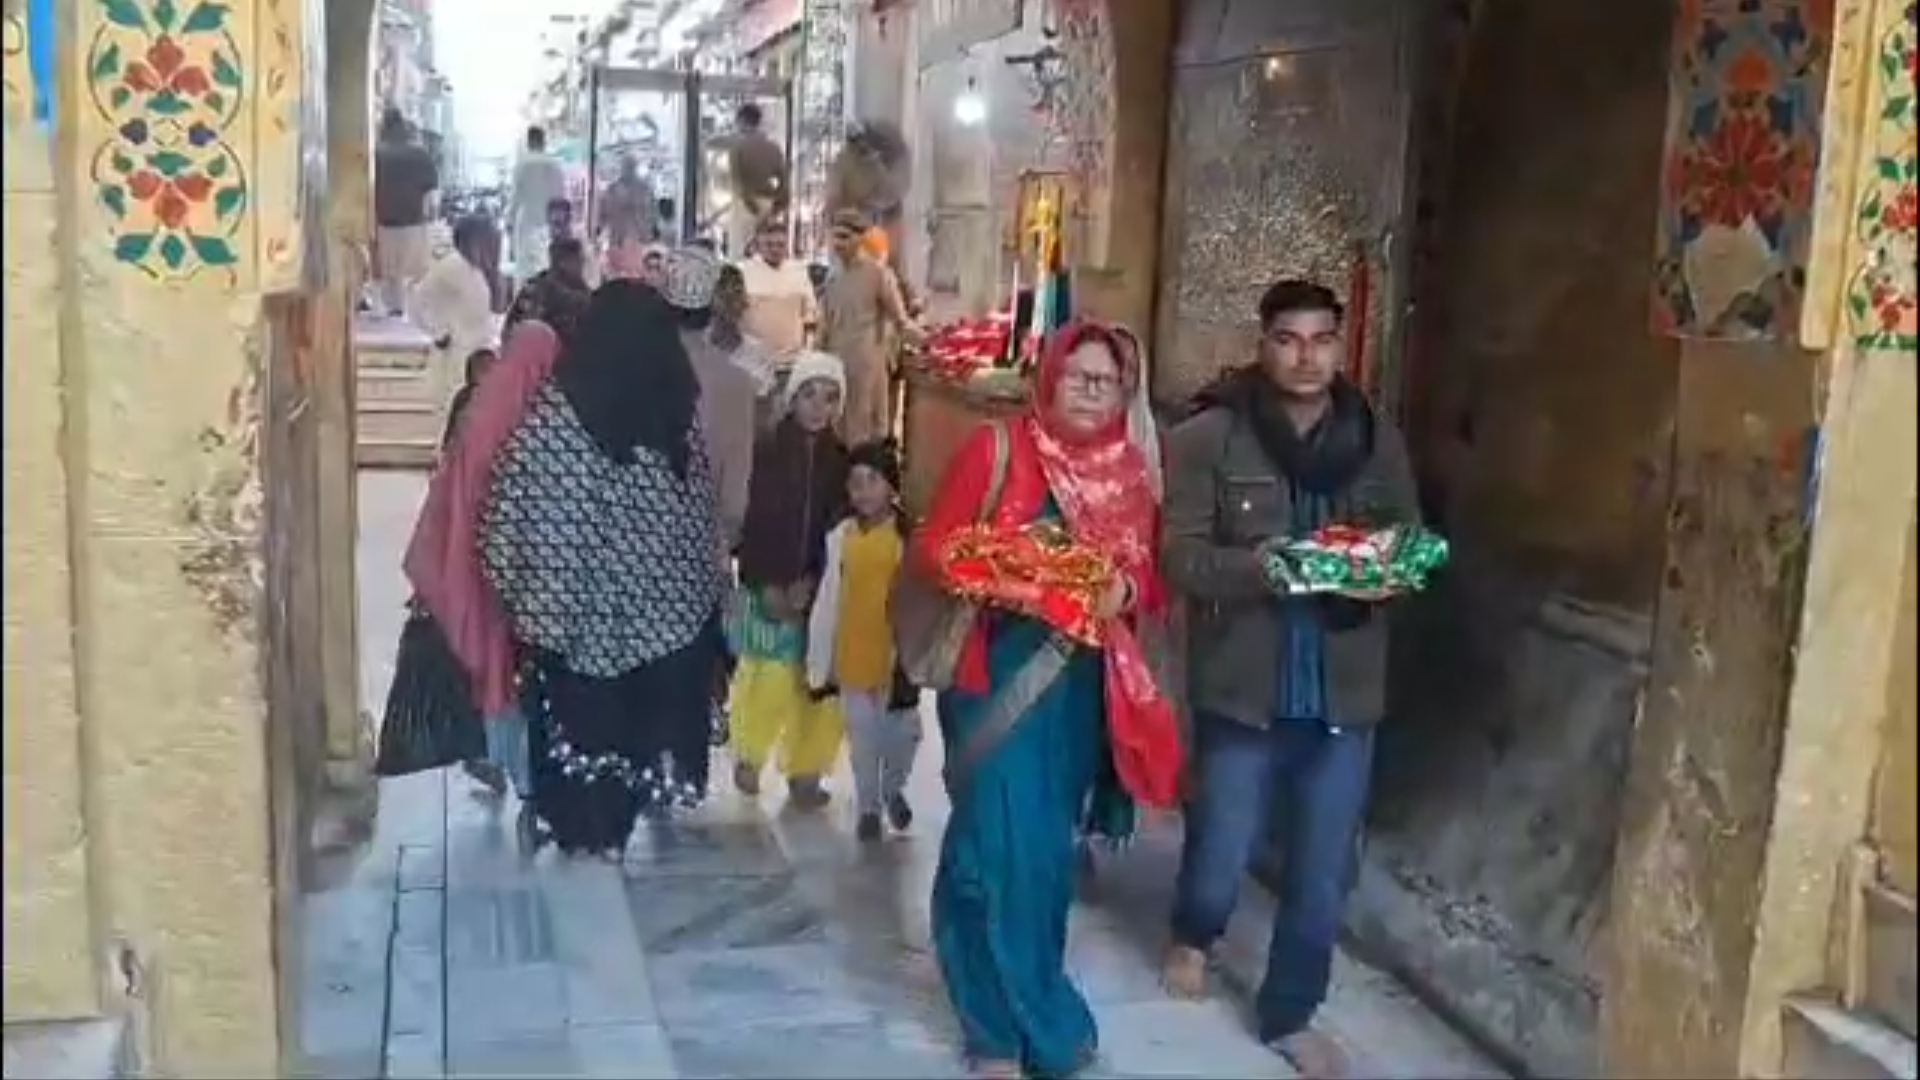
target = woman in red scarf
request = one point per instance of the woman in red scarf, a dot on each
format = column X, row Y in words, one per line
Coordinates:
column 1046, row 738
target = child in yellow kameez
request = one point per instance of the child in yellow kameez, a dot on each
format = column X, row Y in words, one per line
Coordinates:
column 797, row 493
column 850, row 644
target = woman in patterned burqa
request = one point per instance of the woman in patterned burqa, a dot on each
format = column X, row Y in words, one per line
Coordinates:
column 601, row 537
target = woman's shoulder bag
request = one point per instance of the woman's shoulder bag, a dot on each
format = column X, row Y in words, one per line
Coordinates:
column 930, row 625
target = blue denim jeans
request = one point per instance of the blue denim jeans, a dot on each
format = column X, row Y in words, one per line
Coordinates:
column 1309, row 781
column 507, row 748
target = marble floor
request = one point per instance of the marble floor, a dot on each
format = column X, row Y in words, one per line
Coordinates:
column 745, row 941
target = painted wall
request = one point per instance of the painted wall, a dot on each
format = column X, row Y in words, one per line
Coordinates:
column 167, row 205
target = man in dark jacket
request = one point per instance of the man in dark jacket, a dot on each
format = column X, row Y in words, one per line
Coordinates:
column 1284, row 690
column 404, row 180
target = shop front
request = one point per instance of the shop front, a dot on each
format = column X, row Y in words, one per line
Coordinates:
column 996, row 220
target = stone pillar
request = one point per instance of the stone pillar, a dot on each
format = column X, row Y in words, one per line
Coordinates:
column 51, row 930
column 1707, row 740
column 1851, row 662
column 167, row 202
column 1752, row 772
column 348, row 233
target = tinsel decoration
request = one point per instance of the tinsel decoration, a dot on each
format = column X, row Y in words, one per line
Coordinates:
column 1343, row 558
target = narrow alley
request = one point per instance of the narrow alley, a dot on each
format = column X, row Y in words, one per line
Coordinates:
column 743, row 942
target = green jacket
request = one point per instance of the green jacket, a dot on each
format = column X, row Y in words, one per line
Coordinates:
column 1224, row 499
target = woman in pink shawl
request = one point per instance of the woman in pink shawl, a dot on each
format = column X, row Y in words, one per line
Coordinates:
column 443, row 559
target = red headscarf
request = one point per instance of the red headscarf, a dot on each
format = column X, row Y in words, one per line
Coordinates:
column 1104, row 488
column 443, row 557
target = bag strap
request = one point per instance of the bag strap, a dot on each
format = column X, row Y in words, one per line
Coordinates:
column 997, row 481
column 1004, row 711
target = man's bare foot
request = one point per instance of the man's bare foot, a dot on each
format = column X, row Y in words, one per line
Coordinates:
column 1314, row 1054
column 1184, row 973
column 992, row 1069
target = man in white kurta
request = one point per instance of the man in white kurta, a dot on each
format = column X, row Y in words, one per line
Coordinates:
column 781, row 303
column 453, row 304
column 538, row 179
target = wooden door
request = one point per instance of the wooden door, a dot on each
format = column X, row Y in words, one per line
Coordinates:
column 1287, row 156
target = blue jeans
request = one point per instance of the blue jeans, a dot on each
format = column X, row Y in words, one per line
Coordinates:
column 507, row 748
column 1308, row 779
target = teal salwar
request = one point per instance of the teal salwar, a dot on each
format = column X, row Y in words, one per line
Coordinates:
column 1009, row 861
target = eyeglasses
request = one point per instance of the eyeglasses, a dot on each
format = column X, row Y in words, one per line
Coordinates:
column 1090, row 385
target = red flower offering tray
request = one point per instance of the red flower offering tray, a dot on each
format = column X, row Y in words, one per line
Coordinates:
column 1038, row 571
column 958, row 349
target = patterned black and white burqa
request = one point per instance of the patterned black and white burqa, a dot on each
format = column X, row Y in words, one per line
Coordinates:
column 601, row 537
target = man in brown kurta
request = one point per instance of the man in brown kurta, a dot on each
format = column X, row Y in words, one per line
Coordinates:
column 861, row 307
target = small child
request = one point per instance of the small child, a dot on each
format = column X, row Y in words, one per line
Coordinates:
column 506, row 760
column 798, row 492
column 850, row 646
column 479, row 362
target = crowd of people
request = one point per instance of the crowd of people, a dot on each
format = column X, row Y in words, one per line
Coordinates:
column 667, row 518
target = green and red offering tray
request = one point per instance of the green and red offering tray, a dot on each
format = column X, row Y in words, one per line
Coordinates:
column 1345, row 558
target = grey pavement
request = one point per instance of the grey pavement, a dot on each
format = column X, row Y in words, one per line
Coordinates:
column 744, row 941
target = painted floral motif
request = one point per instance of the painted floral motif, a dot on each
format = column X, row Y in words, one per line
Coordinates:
column 1882, row 301
column 166, row 76
column 1742, row 150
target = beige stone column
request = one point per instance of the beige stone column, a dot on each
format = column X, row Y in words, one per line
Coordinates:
column 349, row 231
column 175, row 180
column 52, row 937
column 1851, row 667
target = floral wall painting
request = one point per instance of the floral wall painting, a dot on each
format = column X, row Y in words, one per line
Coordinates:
column 167, row 78
column 1742, row 150
column 1883, row 305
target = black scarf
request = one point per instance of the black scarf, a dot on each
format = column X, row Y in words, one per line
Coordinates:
column 1325, row 460
column 628, row 378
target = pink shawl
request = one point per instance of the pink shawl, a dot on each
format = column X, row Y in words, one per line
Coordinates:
column 443, row 558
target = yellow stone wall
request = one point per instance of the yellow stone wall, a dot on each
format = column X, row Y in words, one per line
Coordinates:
column 49, row 931
column 1894, row 808
column 140, row 242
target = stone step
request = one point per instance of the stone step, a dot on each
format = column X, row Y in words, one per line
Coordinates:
column 99, row 1048
column 1890, row 947
column 1825, row 1041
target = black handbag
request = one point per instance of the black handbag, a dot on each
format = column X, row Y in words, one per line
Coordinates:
column 430, row 721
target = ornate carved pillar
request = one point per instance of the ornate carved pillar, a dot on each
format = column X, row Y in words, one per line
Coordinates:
column 1115, row 120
